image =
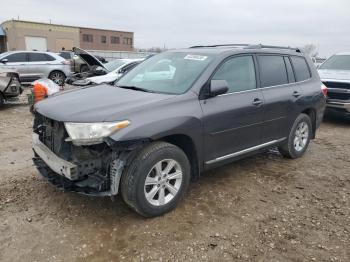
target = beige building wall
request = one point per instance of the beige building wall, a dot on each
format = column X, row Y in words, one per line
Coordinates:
column 99, row 39
column 57, row 36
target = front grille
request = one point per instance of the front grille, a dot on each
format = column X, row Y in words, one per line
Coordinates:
column 337, row 85
column 338, row 96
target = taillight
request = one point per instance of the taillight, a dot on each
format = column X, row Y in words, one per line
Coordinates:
column 66, row 62
column 324, row 90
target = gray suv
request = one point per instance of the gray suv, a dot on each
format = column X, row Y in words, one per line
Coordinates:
column 174, row 116
column 32, row 65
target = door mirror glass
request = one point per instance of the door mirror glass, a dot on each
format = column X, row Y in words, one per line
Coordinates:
column 4, row 60
column 218, row 87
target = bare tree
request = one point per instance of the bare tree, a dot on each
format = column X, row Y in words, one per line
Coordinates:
column 311, row 50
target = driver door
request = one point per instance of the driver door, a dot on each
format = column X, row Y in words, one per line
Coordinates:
column 233, row 121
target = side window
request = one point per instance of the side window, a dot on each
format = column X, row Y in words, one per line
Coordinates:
column 301, row 69
column 38, row 57
column 239, row 73
column 18, row 57
column 291, row 77
column 272, row 70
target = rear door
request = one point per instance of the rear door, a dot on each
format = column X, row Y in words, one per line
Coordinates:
column 232, row 122
column 39, row 65
column 280, row 94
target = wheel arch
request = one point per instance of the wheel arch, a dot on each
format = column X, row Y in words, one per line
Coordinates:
column 57, row 70
column 311, row 112
column 186, row 144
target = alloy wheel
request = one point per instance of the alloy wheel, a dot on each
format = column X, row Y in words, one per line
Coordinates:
column 301, row 136
column 163, row 182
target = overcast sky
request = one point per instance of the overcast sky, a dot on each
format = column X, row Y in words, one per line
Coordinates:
column 175, row 24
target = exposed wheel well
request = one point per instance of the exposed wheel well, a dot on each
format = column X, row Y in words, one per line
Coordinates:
column 186, row 144
column 312, row 114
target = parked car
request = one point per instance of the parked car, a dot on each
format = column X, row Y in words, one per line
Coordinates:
column 10, row 87
column 32, row 65
column 95, row 66
column 148, row 136
column 78, row 65
column 117, row 68
column 335, row 74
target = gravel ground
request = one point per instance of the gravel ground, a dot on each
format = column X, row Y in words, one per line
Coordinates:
column 263, row 208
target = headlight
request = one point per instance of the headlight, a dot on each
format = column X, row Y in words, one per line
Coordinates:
column 92, row 133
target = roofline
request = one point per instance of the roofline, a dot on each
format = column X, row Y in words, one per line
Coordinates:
column 71, row 26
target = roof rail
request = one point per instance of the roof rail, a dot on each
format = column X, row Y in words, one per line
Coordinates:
column 222, row 45
column 273, row 47
column 248, row 46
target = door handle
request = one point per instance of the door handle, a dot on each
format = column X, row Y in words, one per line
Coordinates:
column 296, row 94
column 257, row 102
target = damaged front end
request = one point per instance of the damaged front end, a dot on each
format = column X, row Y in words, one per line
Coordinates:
column 88, row 169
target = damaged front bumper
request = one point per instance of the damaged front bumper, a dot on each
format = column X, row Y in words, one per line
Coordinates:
column 68, row 176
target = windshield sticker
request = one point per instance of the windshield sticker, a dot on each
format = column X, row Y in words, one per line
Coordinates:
column 196, row 57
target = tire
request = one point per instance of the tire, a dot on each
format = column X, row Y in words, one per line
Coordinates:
column 58, row 77
column 298, row 140
column 2, row 100
column 156, row 156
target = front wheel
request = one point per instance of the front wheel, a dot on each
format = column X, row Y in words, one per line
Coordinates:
column 298, row 139
column 156, row 179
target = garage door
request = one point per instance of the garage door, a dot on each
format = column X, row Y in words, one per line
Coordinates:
column 36, row 43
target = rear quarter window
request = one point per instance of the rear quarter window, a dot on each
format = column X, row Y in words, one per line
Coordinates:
column 301, row 69
column 272, row 70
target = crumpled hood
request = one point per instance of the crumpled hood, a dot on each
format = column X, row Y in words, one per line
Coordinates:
column 97, row 104
column 326, row 74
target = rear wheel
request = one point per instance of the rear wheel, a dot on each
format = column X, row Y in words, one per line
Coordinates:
column 58, row 77
column 156, row 179
column 84, row 68
column 298, row 139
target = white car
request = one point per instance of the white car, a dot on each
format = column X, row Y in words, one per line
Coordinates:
column 116, row 68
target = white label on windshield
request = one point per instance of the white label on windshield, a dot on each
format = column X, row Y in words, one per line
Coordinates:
column 196, row 57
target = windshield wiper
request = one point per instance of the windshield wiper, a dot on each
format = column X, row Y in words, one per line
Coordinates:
column 136, row 88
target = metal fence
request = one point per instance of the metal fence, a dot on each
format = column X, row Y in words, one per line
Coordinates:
column 111, row 55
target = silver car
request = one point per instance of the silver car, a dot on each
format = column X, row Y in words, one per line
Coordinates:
column 32, row 65
column 335, row 74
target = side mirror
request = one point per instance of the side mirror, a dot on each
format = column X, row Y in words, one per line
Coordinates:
column 218, row 87
column 4, row 61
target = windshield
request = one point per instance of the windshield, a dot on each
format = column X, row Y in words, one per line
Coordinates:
column 113, row 65
column 169, row 72
column 337, row 62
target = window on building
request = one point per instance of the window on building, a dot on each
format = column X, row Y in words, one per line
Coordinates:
column 103, row 39
column 272, row 70
column 239, row 73
column 39, row 57
column 127, row 41
column 17, row 57
column 301, row 69
column 88, row 38
column 115, row 40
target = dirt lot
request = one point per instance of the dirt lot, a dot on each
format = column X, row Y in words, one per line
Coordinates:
column 264, row 208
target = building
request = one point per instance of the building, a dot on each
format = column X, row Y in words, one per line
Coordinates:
column 26, row 35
